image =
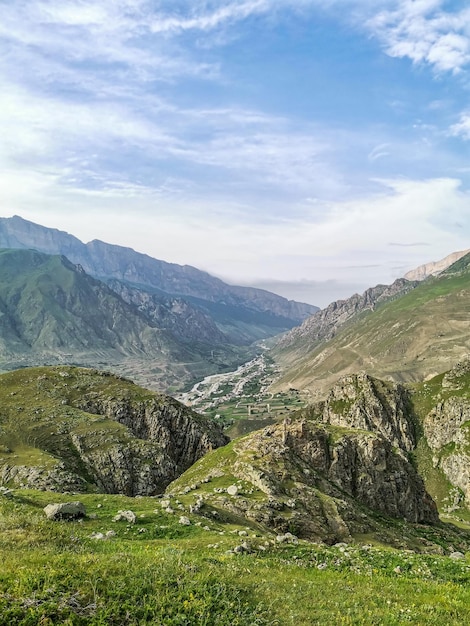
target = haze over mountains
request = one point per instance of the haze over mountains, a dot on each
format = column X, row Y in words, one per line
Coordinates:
column 104, row 305
column 408, row 331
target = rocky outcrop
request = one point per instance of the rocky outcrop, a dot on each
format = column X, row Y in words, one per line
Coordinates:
column 178, row 434
column 434, row 267
column 362, row 402
column 94, row 431
column 65, row 511
column 56, row 478
column 443, row 424
column 325, row 324
column 318, row 481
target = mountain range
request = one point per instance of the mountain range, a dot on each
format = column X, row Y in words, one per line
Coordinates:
column 103, row 305
column 405, row 332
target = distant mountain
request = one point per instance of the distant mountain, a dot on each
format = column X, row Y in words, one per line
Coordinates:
column 412, row 336
column 51, row 311
column 435, row 267
column 325, row 324
column 242, row 314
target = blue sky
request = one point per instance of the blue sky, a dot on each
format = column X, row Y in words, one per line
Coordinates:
column 313, row 148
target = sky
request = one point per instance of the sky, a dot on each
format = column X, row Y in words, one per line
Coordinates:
column 310, row 147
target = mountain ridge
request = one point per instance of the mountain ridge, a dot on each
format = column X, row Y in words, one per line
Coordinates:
column 414, row 335
column 104, row 261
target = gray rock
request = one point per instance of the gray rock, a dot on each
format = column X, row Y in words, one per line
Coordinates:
column 184, row 521
column 232, row 490
column 65, row 510
column 126, row 516
column 457, row 556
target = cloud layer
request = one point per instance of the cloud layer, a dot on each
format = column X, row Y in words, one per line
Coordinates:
column 286, row 140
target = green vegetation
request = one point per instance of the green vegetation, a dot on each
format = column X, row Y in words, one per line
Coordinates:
column 158, row 571
column 417, row 335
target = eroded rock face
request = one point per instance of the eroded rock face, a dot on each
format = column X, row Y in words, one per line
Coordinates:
column 178, row 435
column 443, row 424
column 56, row 478
column 93, row 430
column 321, row 482
column 447, row 433
column 362, row 402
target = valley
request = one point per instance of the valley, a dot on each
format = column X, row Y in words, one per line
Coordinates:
column 242, row 399
column 336, row 452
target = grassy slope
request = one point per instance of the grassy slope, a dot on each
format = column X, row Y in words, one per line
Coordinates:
column 38, row 414
column 163, row 573
column 421, row 334
column 52, row 313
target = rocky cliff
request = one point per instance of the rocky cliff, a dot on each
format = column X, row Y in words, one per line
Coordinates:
column 445, row 415
column 74, row 429
column 434, row 267
column 361, row 401
column 319, row 482
column 326, row 473
column 325, row 324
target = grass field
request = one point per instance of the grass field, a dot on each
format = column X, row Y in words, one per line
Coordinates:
column 158, row 571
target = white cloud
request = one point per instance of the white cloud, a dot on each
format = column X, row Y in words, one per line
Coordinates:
column 425, row 32
column 462, row 128
column 350, row 243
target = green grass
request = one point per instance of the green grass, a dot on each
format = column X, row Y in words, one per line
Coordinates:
column 417, row 335
column 54, row 573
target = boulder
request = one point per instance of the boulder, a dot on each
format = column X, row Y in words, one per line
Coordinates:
column 65, row 511
column 125, row 516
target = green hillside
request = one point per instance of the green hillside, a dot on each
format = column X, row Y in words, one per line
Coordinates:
column 69, row 428
column 418, row 335
column 52, row 312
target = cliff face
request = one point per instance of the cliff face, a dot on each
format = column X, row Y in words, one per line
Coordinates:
column 447, row 428
column 327, row 473
column 325, row 324
column 76, row 429
column 435, row 267
column 360, row 401
column 177, row 434
column 319, row 482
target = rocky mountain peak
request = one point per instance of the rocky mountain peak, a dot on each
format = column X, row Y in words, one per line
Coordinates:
column 435, row 267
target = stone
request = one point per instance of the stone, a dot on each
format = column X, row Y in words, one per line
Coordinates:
column 457, row 555
column 65, row 511
column 125, row 516
column 184, row 521
column 98, row 536
column 287, row 538
column 232, row 490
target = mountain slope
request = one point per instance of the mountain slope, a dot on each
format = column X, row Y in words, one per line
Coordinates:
column 417, row 335
column 105, row 261
column 67, row 428
column 51, row 311
column 325, row 324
